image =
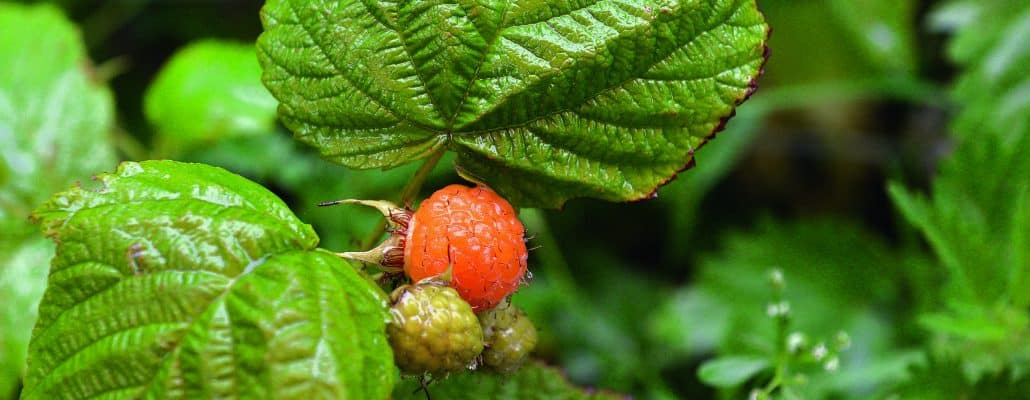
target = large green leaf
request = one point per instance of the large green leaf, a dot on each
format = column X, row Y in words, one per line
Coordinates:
column 185, row 281
column 977, row 221
column 54, row 119
column 542, row 100
column 209, row 90
column 531, row 381
column 981, row 193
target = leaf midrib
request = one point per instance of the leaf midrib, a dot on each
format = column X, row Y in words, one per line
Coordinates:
column 186, row 324
column 247, row 270
column 479, row 66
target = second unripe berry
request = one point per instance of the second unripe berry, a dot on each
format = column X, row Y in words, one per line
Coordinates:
column 509, row 337
column 433, row 330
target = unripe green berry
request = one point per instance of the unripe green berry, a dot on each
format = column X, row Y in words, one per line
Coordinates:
column 433, row 330
column 509, row 336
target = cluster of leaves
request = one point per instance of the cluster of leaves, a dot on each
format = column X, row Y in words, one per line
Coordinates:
column 968, row 305
column 945, row 323
column 240, row 307
column 228, row 289
column 976, row 217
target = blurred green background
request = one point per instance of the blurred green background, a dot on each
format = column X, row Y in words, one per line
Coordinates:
column 877, row 167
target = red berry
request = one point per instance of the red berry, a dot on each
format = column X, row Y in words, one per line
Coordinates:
column 475, row 233
column 472, row 233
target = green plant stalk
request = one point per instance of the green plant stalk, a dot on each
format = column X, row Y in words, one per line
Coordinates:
column 413, row 187
column 782, row 355
column 408, row 194
column 782, row 358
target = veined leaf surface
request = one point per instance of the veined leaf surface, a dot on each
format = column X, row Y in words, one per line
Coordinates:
column 541, row 100
column 185, row 281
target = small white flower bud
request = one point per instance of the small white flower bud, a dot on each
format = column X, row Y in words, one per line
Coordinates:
column 776, row 310
column 832, row 364
column 819, row 351
column 776, row 277
column 795, row 341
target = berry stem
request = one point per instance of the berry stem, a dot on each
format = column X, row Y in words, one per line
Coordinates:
column 413, row 187
column 408, row 194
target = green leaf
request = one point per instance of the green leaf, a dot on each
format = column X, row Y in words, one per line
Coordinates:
column 990, row 44
column 532, row 381
column 54, row 118
column 945, row 379
column 836, row 271
column 731, row 371
column 984, row 340
column 543, row 100
column 186, row 281
column 968, row 324
column 978, row 195
column 22, row 280
column 209, row 90
column 839, row 277
column 975, row 218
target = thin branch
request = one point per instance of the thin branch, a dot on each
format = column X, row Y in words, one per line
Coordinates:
column 408, row 195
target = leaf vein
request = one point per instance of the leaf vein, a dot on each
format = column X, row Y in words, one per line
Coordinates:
column 321, row 49
column 479, row 66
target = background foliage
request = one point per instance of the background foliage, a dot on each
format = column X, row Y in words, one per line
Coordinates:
column 878, row 167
